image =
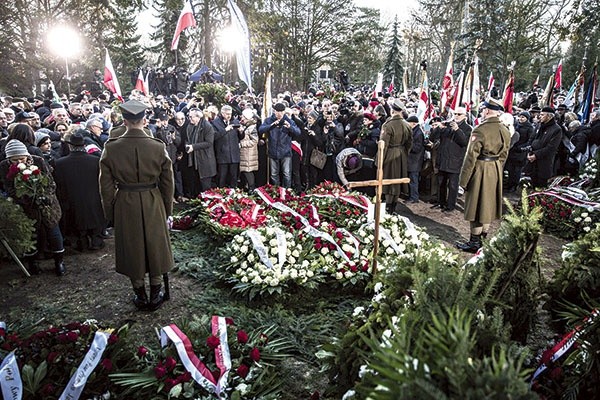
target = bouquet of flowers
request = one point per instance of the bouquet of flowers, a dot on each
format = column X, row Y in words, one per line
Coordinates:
column 232, row 363
column 48, row 358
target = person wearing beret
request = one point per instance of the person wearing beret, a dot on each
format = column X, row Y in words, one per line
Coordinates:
column 44, row 210
column 482, row 173
column 542, row 149
column 136, row 188
column 280, row 131
column 396, row 133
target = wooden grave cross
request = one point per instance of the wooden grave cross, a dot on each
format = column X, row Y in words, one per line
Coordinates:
column 378, row 183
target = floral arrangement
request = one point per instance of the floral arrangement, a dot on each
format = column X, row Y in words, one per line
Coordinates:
column 589, row 172
column 29, row 182
column 47, row 358
column 253, row 356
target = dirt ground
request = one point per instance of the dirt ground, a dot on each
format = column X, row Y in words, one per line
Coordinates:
column 93, row 290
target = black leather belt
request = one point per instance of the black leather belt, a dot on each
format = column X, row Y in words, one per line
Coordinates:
column 136, row 187
column 488, row 158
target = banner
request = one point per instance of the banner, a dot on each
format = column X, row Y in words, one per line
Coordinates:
column 186, row 20
column 242, row 51
column 110, row 78
column 10, row 378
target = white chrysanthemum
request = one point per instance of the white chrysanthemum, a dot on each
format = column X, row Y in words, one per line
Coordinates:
column 587, row 229
column 273, row 242
column 295, row 253
column 274, row 282
column 584, row 214
column 346, row 247
column 348, row 274
column 339, row 275
column 378, row 286
column 587, row 220
column 244, row 279
column 324, row 250
column 244, row 264
column 358, row 311
column 309, row 273
column 251, row 257
column 365, row 252
column 293, row 274
column 305, row 264
column 244, row 249
column 292, row 260
column 274, row 250
column 270, row 231
column 239, row 239
column 577, row 220
column 389, row 251
column 234, row 259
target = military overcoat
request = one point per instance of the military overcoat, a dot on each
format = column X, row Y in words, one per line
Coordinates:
column 481, row 173
column 397, row 135
column 142, row 242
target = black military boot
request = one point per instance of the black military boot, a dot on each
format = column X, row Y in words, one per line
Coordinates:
column 156, row 297
column 167, row 293
column 33, row 266
column 141, row 298
column 472, row 245
column 59, row 266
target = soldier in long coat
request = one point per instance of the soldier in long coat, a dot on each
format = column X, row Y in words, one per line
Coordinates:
column 136, row 186
column 482, row 172
column 397, row 135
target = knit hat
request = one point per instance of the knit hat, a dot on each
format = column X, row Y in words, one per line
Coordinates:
column 40, row 137
column 15, row 148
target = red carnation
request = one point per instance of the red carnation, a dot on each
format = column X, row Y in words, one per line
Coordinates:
column 229, row 321
column 185, row 377
column 107, row 364
column 142, row 351
column 160, row 371
column 112, row 339
column 170, row 382
column 255, row 354
column 36, row 172
column 84, row 329
column 242, row 337
column 52, row 356
column 242, row 371
column 170, row 363
column 213, row 342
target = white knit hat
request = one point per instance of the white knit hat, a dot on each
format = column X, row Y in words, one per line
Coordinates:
column 15, row 148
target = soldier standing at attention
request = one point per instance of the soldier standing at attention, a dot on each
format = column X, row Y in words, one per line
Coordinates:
column 136, row 186
column 397, row 135
column 481, row 174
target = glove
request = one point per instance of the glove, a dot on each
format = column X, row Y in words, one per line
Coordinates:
column 169, row 222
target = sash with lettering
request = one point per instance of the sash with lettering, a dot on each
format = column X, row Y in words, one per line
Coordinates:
column 87, row 366
column 10, row 378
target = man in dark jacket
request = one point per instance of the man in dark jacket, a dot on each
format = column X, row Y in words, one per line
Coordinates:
column 281, row 130
column 415, row 158
column 172, row 140
column 517, row 157
column 594, row 134
column 542, row 149
column 453, row 139
column 76, row 177
column 227, row 147
column 199, row 163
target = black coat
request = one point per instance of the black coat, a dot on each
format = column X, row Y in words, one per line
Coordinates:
column 594, row 135
column 417, row 151
column 453, row 145
column 518, row 152
column 76, row 177
column 227, row 143
column 544, row 145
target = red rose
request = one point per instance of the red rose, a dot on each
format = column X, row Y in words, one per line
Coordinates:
column 160, row 371
column 72, row 336
column 84, row 329
column 318, row 246
column 255, row 354
column 107, row 364
column 229, row 321
column 242, row 371
column 353, row 268
column 52, row 356
column 13, row 170
column 169, row 383
column 142, row 351
column 170, row 363
column 242, row 337
column 36, row 172
column 25, row 178
column 112, row 339
column 185, row 377
column 213, row 342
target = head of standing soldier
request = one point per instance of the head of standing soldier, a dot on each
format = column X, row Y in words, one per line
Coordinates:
column 134, row 113
column 490, row 108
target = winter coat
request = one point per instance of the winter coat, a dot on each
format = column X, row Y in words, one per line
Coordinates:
column 165, row 134
column 397, row 136
column 452, row 148
column 76, row 178
column 482, row 178
column 417, row 151
column 518, row 153
column 249, row 149
column 142, row 242
column 279, row 137
column 367, row 145
column 227, row 143
column 201, row 137
column 545, row 146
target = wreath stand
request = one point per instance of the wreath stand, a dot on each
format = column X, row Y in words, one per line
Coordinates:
column 14, row 256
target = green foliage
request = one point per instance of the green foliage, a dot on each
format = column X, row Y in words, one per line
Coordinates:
column 579, row 273
column 15, row 228
column 435, row 360
column 212, row 93
column 393, row 60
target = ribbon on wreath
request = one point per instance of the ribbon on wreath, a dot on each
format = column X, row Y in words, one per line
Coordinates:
column 10, row 377
column 359, row 201
column 200, row 373
column 569, row 199
column 565, row 344
column 88, row 364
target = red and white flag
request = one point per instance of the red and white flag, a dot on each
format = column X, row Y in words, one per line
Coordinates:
column 110, row 78
column 139, row 83
column 146, row 84
column 490, row 83
column 186, row 20
column 536, row 83
column 447, row 82
column 391, row 87
column 509, row 93
column 558, row 76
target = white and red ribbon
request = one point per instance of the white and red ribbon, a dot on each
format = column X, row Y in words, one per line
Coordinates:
column 10, row 378
column 200, row 373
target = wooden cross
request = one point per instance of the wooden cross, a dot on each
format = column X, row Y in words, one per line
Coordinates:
column 379, row 183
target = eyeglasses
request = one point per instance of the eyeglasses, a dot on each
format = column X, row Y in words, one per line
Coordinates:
column 61, row 130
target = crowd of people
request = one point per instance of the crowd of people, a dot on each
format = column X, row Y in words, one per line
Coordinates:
column 308, row 138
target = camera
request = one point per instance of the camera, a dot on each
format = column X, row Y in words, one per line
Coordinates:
column 281, row 123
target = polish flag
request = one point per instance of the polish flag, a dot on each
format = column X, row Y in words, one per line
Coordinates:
column 139, row 83
column 110, row 78
column 558, row 76
column 186, row 20
column 490, row 83
column 391, row 87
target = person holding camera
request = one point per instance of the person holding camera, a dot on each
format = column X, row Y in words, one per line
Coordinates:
column 516, row 156
column 227, row 147
column 280, row 131
column 333, row 132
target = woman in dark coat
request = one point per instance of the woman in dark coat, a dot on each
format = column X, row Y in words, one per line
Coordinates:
column 314, row 140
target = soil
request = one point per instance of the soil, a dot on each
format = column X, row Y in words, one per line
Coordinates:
column 93, row 290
